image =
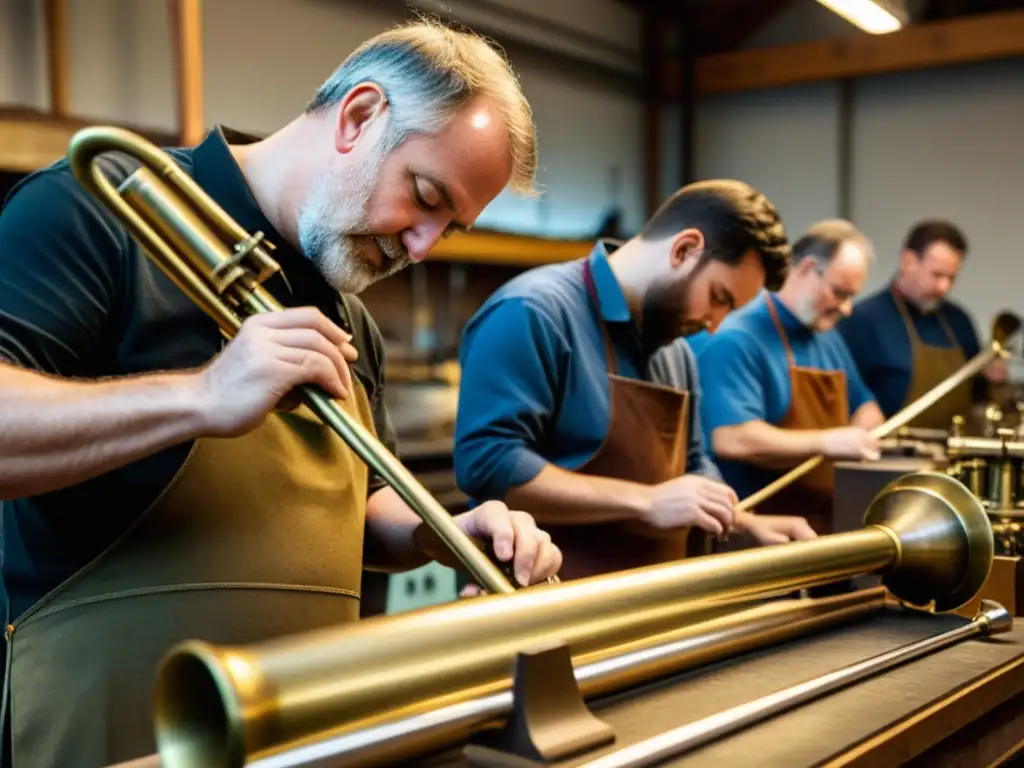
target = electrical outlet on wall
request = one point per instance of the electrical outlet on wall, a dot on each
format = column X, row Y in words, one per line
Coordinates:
column 430, row 585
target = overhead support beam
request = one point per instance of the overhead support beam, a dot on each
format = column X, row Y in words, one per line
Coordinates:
column 187, row 44
column 654, row 62
column 57, row 55
column 918, row 46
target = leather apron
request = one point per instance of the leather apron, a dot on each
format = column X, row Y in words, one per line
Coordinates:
column 256, row 537
column 929, row 366
column 646, row 442
column 818, row 400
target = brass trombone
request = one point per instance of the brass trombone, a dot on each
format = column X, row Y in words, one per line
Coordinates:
column 370, row 690
column 221, row 268
column 1004, row 327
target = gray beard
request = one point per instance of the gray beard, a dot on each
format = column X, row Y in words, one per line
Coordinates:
column 335, row 234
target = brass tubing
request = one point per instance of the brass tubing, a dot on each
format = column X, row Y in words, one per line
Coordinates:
column 193, row 240
column 608, row 671
column 972, row 367
column 927, row 535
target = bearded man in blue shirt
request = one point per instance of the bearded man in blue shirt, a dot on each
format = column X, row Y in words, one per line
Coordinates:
column 559, row 411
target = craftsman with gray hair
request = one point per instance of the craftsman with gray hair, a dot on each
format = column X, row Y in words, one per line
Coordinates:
column 780, row 385
column 152, row 491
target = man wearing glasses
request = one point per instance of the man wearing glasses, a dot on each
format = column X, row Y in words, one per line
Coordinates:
column 780, row 385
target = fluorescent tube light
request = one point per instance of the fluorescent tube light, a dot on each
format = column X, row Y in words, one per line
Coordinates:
column 879, row 17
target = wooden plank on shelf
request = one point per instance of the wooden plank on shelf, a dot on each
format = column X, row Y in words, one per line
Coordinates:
column 506, row 249
column 30, row 140
column 950, row 42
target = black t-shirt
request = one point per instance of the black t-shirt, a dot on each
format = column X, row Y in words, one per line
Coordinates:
column 79, row 298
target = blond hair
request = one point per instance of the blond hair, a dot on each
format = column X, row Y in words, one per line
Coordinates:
column 428, row 71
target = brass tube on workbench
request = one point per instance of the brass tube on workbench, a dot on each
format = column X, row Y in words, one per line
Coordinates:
column 926, row 534
column 605, row 672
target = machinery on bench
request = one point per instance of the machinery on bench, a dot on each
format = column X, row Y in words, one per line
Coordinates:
column 988, row 461
column 990, row 467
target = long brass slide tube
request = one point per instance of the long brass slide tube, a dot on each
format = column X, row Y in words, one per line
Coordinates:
column 219, row 266
column 971, row 368
column 597, row 674
column 220, row 706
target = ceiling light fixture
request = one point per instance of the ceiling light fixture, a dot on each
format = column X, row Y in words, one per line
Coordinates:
column 879, row 17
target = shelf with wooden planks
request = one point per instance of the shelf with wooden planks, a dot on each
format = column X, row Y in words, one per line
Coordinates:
column 508, row 249
column 30, row 140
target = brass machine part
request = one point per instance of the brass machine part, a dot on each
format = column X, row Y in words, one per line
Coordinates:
column 220, row 267
column 608, row 671
column 992, row 468
column 1004, row 327
column 925, row 534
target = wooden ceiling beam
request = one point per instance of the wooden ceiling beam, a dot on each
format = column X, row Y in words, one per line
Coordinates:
column 917, row 46
column 727, row 24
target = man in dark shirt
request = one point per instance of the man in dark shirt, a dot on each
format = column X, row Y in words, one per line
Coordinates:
column 573, row 407
column 152, row 491
column 909, row 337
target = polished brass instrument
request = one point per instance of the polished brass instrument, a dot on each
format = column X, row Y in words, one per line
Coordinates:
column 221, row 268
column 1004, row 327
column 926, row 535
column 992, row 468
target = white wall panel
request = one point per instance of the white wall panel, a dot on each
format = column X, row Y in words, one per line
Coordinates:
column 946, row 143
column 783, row 142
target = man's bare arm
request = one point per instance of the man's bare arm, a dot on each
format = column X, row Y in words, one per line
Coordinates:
column 390, row 544
column 556, row 496
column 868, row 416
column 57, row 432
column 757, row 442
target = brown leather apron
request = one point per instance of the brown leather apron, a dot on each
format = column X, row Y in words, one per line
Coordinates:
column 646, row 442
column 930, row 365
column 818, row 401
column 256, row 537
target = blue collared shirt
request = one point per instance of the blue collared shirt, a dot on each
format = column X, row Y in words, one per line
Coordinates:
column 877, row 337
column 534, row 382
column 745, row 376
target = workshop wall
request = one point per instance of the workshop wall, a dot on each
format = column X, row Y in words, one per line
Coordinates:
column 261, row 64
column 944, row 142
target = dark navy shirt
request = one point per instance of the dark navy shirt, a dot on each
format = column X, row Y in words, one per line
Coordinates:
column 78, row 298
column 877, row 337
column 534, row 383
column 745, row 377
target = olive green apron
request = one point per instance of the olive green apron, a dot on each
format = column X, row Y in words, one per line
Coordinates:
column 256, row 537
column 930, row 365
